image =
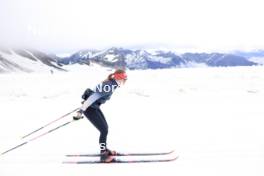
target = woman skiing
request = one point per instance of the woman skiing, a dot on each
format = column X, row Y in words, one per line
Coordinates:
column 91, row 109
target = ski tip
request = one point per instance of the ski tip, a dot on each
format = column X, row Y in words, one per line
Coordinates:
column 176, row 157
column 172, row 151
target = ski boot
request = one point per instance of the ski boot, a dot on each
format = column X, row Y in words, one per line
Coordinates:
column 107, row 156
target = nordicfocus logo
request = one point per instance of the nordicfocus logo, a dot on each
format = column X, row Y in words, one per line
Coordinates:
column 106, row 88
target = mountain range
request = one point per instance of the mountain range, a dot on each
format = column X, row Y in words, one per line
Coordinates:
column 141, row 59
column 30, row 60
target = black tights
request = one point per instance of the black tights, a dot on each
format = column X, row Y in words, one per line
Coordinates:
column 97, row 118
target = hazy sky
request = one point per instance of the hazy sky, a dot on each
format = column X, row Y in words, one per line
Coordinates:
column 68, row 25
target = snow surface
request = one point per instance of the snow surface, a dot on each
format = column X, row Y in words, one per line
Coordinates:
column 212, row 117
column 164, row 60
column 110, row 58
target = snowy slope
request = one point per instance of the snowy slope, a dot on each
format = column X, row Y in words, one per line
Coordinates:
column 26, row 61
column 212, row 117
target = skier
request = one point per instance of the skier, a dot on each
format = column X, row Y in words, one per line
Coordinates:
column 91, row 109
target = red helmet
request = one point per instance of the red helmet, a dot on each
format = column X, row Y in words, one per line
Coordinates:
column 120, row 76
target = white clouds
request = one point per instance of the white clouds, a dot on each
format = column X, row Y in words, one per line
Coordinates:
column 59, row 25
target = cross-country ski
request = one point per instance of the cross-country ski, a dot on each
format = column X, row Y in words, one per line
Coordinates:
column 122, row 154
column 116, row 161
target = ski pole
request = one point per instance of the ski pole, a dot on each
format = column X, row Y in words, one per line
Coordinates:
column 49, row 123
column 43, row 134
